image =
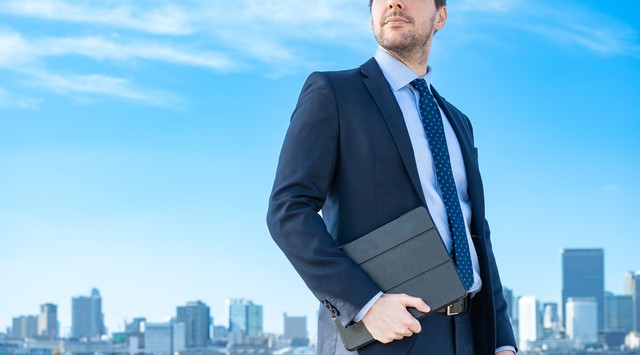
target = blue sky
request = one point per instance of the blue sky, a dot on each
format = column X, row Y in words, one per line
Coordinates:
column 138, row 142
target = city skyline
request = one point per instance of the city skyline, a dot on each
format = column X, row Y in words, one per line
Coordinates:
column 231, row 303
column 138, row 143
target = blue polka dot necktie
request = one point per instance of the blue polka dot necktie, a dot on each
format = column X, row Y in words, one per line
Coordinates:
column 432, row 124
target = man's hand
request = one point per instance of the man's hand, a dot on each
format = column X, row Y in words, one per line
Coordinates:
column 389, row 320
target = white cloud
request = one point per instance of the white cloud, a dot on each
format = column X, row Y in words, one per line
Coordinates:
column 25, row 57
column 499, row 6
column 13, row 49
column 561, row 23
column 16, row 49
column 101, row 48
column 11, row 100
column 102, row 85
column 282, row 33
column 276, row 35
column 608, row 37
column 162, row 19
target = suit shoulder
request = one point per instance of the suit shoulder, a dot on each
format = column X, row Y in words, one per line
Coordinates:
column 335, row 77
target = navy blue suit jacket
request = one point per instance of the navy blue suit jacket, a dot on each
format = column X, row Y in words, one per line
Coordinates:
column 347, row 152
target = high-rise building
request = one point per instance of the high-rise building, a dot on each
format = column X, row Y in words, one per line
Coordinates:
column 220, row 332
column 550, row 319
column 179, row 337
column 528, row 320
column 135, row 329
column 618, row 312
column 48, row 321
column 632, row 288
column 629, row 282
column 158, row 338
column 196, row 317
column 582, row 316
column 86, row 316
column 245, row 317
column 583, row 276
column 24, row 327
column 295, row 327
column 136, row 325
column 164, row 338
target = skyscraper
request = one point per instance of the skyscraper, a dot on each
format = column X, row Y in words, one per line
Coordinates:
column 135, row 329
column 244, row 317
column 295, row 327
column 583, row 276
column 86, row 316
column 25, row 327
column 632, row 288
column 582, row 325
column 618, row 312
column 48, row 321
column 158, row 338
column 196, row 317
column 528, row 320
column 550, row 320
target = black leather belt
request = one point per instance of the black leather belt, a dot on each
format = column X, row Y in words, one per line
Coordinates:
column 458, row 307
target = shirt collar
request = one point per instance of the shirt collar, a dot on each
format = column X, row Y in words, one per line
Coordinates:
column 397, row 73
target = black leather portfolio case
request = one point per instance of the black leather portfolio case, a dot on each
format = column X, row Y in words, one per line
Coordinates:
column 406, row 255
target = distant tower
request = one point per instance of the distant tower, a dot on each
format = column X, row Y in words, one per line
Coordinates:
column 583, row 276
column 632, row 288
column 196, row 317
column 245, row 317
column 528, row 320
column 550, row 320
column 87, row 319
column 25, row 327
column 158, row 338
column 48, row 321
column 295, row 329
column 618, row 312
column 135, row 329
column 582, row 325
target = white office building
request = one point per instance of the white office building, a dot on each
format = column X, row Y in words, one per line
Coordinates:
column 158, row 339
column 582, row 320
column 529, row 328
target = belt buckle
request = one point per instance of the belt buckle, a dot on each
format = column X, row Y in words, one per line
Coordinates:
column 450, row 312
column 460, row 306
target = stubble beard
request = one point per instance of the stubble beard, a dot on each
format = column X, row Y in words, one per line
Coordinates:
column 410, row 45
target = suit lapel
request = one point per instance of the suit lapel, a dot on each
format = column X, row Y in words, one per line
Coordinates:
column 383, row 96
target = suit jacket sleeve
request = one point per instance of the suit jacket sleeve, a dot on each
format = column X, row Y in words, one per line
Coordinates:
column 303, row 180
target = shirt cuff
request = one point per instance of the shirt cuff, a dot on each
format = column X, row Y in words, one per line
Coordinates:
column 366, row 307
column 506, row 348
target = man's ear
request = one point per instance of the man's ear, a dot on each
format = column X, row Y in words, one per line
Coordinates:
column 441, row 18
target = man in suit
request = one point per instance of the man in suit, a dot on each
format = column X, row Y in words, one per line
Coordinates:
column 356, row 150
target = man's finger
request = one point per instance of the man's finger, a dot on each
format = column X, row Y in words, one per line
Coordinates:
column 415, row 326
column 416, row 303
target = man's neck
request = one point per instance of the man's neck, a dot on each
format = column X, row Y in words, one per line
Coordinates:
column 417, row 61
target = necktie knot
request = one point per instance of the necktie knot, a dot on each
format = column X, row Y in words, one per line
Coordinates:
column 420, row 85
